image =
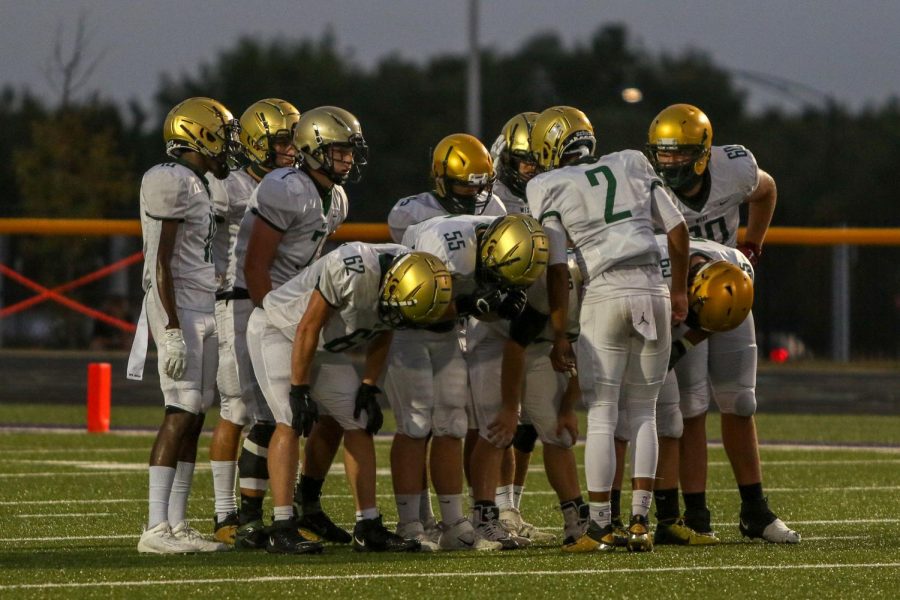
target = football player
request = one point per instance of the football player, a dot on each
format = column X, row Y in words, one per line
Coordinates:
column 291, row 213
column 711, row 183
column 302, row 342
column 608, row 207
column 511, row 153
column 179, row 282
column 267, row 129
column 463, row 175
column 427, row 382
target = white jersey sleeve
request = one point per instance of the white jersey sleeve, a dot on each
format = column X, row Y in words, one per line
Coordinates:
column 514, row 204
column 734, row 176
column 413, row 210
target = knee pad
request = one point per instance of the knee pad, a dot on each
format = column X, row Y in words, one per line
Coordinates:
column 261, row 434
column 451, row 422
column 741, row 403
column 253, row 466
column 668, row 421
column 525, row 438
column 416, row 426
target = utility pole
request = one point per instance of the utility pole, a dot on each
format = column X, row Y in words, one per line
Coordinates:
column 473, row 89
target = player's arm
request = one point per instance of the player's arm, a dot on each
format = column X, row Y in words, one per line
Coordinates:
column 761, row 207
column 376, row 357
column 512, row 375
column 165, row 285
column 566, row 419
column 306, row 339
column 679, row 249
column 261, row 250
column 561, row 355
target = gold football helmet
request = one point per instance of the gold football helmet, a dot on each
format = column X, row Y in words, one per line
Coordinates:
column 513, row 251
column 264, row 123
column 684, row 135
column 512, row 147
column 202, row 125
column 324, row 126
column 561, row 133
column 415, row 291
column 461, row 160
column 720, row 296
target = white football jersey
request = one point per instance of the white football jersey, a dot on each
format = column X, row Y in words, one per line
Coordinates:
column 515, row 205
column 288, row 200
column 421, row 207
column 230, row 198
column 452, row 239
column 172, row 191
column 608, row 207
column 734, row 175
column 349, row 279
column 708, row 248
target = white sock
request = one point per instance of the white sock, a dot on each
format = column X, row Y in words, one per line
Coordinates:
column 426, row 513
column 601, row 513
column 503, row 497
column 517, row 496
column 223, row 472
column 160, row 487
column 640, row 502
column 282, row 513
column 367, row 514
column 408, row 506
column 451, row 507
column 181, row 489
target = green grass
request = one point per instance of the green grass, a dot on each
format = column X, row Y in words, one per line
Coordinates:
column 71, row 508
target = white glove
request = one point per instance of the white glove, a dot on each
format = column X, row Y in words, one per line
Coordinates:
column 176, row 353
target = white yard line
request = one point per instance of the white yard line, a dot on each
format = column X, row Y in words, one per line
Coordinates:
column 455, row 574
column 62, row 515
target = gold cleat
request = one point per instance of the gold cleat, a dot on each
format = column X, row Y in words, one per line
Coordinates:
column 639, row 538
column 596, row 539
column 675, row 532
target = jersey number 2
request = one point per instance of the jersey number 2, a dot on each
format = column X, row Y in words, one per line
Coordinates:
column 609, row 214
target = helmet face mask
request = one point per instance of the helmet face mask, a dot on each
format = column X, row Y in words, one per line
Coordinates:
column 513, row 252
column 720, row 296
column 512, row 153
column 327, row 131
column 561, row 134
column 205, row 126
column 678, row 145
column 415, row 291
column 265, row 125
column 462, row 170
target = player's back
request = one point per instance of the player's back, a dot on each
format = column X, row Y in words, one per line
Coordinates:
column 421, row 207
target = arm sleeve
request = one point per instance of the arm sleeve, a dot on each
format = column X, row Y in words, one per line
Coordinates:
column 527, row 326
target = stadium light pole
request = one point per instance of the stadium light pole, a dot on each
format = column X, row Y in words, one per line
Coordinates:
column 808, row 95
column 473, row 89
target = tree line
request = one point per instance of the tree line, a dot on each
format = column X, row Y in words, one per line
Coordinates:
column 833, row 167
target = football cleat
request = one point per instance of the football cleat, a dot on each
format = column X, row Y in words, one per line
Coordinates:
column 432, row 530
column 251, row 536
column 699, row 521
column 595, row 539
column 284, row 538
column 414, row 530
column 190, row 536
column 370, row 535
column 487, row 525
column 639, row 538
column 511, row 520
column 225, row 531
column 462, row 536
column 575, row 519
column 758, row 521
column 159, row 540
column 675, row 532
column 321, row 526
column 620, row 534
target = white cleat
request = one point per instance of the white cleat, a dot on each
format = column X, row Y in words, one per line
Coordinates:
column 512, row 521
column 193, row 538
column 159, row 540
column 414, row 530
column 462, row 536
column 778, row 532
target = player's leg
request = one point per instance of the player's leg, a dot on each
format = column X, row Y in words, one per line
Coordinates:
column 318, row 454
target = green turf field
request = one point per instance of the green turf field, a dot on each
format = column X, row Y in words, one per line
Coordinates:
column 71, row 507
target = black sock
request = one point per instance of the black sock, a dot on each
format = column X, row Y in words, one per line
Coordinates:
column 310, row 490
column 752, row 492
column 251, row 509
column 695, row 501
column 487, row 510
column 615, row 504
column 666, row 504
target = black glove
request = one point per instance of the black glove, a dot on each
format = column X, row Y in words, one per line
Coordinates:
column 304, row 409
column 477, row 305
column 512, row 305
column 366, row 401
column 678, row 352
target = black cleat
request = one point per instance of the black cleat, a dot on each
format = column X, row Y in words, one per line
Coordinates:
column 225, row 530
column 759, row 522
column 322, row 526
column 284, row 538
column 251, row 536
column 370, row 535
column 699, row 521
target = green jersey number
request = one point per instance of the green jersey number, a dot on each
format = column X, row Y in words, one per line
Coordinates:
column 709, row 229
column 609, row 214
column 349, row 341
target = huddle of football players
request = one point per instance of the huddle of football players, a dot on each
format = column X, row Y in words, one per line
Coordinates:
column 530, row 278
